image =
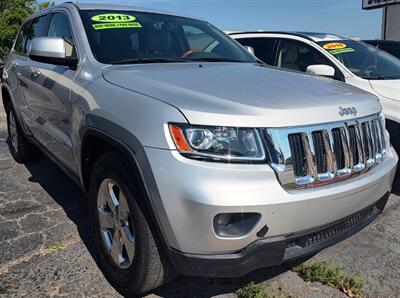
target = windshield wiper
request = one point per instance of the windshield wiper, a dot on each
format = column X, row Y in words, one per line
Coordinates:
column 214, row 60
column 148, row 60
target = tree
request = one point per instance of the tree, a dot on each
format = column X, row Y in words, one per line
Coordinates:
column 12, row 15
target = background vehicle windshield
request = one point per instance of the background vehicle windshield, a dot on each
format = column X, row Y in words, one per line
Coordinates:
column 363, row 60
column 139, row 37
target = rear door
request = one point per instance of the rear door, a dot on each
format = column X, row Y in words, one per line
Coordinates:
column 49, row 93
column 27, row 76
column 17, row 58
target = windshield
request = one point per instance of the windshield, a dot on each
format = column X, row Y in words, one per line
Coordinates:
column 363, row 60
column 124, row 37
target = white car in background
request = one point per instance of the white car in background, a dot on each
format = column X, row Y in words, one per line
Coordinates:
column 337, row 57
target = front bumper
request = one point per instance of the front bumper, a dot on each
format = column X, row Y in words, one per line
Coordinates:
column 192, row 193
column 277, row 250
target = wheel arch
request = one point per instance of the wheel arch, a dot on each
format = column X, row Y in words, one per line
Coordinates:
column 129, row 146
column 95, row 143
column 6, row 96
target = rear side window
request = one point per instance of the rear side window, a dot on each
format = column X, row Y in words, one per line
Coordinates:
column 60, row 27
column 264, row 48
column 38, row 29
column 21, row 39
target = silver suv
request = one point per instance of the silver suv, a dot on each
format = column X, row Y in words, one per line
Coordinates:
column 196, row 158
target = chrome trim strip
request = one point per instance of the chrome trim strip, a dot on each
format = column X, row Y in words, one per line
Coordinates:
column 346, row 152
column 371, row 145
column 310, row 153
column 330, row 159
column 360, row 150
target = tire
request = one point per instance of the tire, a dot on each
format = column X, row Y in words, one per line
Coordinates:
column 394, row 131
column 21, row 149
column 148, row 269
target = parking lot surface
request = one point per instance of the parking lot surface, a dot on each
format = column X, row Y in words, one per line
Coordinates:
column 45, row 249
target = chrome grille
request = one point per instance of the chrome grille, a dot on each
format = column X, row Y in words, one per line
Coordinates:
column 313, row 156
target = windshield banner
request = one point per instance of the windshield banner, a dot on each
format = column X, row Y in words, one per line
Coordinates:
column 115, row 21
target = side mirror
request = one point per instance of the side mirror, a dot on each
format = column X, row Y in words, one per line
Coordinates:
column 51, row 50
column 250, row 50
column 321, row 70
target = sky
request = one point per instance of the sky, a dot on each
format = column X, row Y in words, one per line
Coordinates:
column 344, row 17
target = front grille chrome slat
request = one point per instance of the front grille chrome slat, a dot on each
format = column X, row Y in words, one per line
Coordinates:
column 379, row 142
column 370, row 144
column 309, row 153
column 330, row 156
column 347, row 157
column 382, row 130
column 309, row 157
column 360, row 166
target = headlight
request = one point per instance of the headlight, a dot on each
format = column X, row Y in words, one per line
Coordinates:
column 218, row 143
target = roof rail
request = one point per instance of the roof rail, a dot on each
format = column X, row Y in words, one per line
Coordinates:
column 273, row 32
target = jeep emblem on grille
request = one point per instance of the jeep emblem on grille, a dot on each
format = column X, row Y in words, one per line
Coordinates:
column 347, row 111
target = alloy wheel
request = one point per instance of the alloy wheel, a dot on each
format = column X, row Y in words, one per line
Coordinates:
column 116, row 224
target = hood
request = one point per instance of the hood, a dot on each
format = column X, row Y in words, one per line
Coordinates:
column 241, row 94
column 387, row 88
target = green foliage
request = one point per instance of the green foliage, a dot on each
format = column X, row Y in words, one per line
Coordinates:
column 12, row 15
column 46, row 4
column 256, row 291
column 55, row 246
column 252, row 291
column 330, row 275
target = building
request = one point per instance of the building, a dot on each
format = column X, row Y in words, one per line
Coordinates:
column 390, row 17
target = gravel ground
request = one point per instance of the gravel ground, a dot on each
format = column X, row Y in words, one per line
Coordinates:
column 45, row 250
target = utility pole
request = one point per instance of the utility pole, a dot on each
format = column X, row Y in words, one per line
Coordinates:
column 385, row 12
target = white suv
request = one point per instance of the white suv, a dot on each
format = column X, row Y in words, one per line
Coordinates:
column 341, row 58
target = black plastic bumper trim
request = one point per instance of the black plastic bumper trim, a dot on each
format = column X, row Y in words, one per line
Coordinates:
column 265, row 252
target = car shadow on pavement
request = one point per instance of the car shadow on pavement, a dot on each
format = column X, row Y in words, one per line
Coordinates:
column 66, row 193
column 208, row 287
column 74, row 203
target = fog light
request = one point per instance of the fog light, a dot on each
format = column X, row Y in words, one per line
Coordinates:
column 235, row 224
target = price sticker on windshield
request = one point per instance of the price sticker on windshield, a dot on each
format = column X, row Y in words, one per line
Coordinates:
column 342, row 51
column 335, row 46
column 113, row 18
column 114, row 21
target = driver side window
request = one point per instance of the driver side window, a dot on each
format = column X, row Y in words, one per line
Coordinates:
column 296, row 55
column 60, row 27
